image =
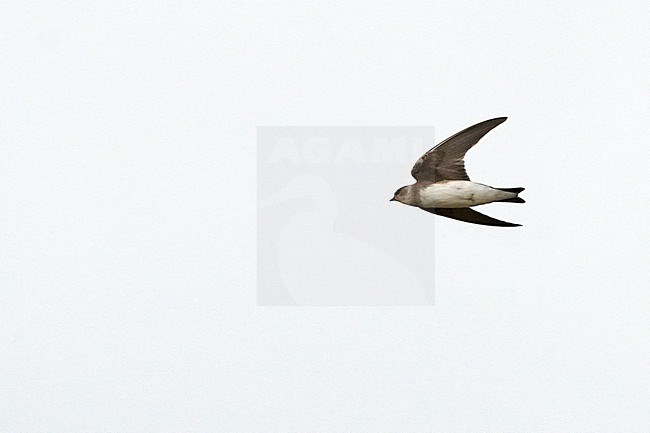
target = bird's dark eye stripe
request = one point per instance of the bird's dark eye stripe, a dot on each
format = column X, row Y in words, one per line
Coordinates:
column 397, row 192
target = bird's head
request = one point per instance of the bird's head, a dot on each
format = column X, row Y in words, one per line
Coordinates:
column 402, row 195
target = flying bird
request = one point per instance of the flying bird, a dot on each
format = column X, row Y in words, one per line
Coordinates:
column 443, row 187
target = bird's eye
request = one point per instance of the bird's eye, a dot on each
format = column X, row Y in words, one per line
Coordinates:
column 397, row 192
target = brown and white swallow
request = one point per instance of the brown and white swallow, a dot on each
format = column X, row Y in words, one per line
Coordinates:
column 443, row 187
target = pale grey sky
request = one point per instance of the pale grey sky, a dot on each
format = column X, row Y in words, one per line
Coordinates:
column 128, row 225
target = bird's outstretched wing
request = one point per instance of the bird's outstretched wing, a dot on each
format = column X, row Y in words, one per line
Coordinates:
column 469, row 215
column 445, row 161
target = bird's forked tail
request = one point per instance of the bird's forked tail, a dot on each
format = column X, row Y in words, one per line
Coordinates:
column 513, row 199
column 515, row 190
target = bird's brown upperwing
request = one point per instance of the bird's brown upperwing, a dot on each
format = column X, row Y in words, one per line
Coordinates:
column 445, row 161
column 469, row 215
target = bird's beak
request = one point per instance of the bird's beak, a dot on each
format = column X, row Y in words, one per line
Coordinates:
column 392, row 199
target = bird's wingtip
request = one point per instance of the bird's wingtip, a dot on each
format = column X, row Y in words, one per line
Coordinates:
column 496, row 120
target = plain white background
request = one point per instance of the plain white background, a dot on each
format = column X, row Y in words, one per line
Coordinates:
column 127, row 218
